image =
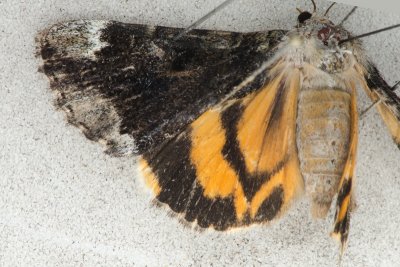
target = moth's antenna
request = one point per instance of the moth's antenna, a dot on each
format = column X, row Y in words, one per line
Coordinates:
column 348, row 15
column 204, row 18
column 369, row 33
column 315, row 6
column 329, row 8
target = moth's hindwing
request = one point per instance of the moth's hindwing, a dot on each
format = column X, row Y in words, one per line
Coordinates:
column 132, row 87
column 345, row 190
column 234, row 165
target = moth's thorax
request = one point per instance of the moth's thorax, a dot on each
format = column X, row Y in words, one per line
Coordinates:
column 326, row 69
column 316, row 44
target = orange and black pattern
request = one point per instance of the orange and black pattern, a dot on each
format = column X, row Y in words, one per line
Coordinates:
column 345, row 192
column 234, row 165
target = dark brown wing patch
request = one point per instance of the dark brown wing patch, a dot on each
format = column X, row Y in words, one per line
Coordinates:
column 133, row 88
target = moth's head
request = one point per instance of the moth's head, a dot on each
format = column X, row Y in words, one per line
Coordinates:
column 312, row 25
column 316, row 40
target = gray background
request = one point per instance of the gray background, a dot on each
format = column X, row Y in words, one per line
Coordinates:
column 63, row 202
column 388, row 5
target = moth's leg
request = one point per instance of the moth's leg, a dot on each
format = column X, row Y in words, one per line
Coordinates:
column 376, row 102
column 388, row 103
column 345, row 193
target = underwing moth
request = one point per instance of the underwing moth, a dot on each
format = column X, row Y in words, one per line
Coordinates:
column 229, row 127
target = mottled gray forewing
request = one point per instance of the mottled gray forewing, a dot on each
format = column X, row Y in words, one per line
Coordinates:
column 133, row 87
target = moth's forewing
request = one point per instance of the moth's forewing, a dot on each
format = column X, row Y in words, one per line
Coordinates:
column 133, row 88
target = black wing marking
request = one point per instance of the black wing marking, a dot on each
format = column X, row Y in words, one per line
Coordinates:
column 133, row 88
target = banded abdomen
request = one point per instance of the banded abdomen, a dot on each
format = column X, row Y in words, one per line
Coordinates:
column 323, row 136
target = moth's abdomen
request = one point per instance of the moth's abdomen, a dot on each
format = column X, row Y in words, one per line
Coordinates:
column 323, row 135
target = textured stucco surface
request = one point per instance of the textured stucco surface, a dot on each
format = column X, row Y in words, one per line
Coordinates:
column 63, row 202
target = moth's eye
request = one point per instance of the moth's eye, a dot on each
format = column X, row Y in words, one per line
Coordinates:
column 304, row 16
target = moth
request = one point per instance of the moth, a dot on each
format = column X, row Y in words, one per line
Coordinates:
column 229, row 127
